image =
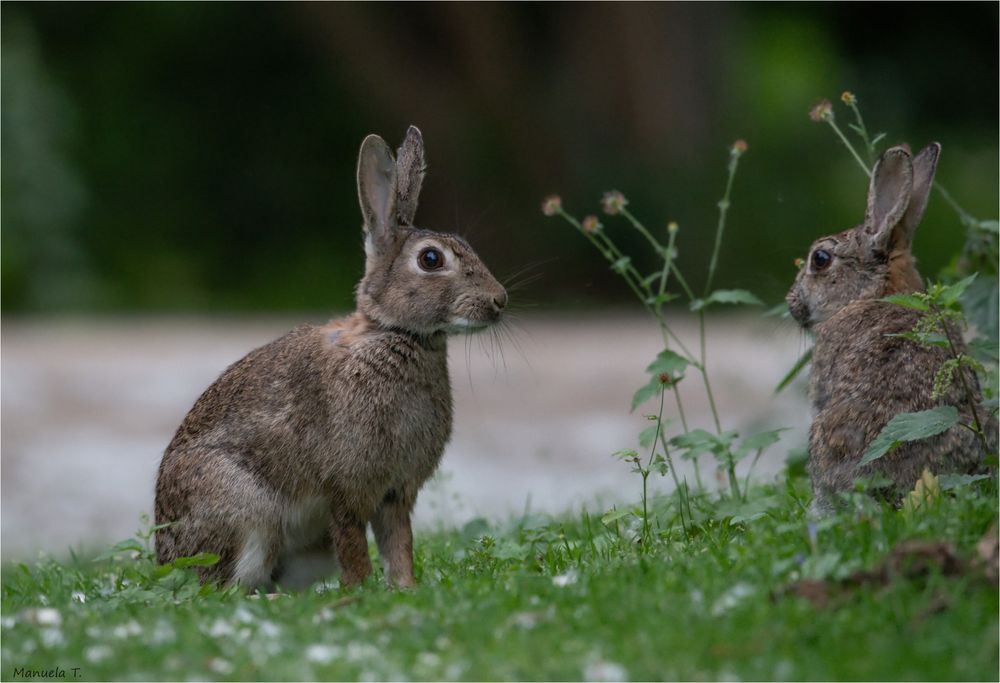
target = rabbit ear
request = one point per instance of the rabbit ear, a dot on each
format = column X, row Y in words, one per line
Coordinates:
column 924, row 165
column 888, row 196
column 377, row 188
column 410, row 166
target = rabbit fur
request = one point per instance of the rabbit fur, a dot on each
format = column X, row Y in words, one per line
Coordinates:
column 303, row 443
column 861, row 376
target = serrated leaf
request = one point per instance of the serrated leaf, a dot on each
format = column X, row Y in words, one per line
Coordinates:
column 699, row 441
column 984, row 349
column 794, row 372
column 759, row 441
column 667, row 363
column 950, row 294
column 646, row 392
column 913, row 301
column 727, row 296
column 910, row 427
column 981, row 303
column 625, row 454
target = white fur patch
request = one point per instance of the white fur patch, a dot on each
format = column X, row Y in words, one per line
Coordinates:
column 306, row 568
column 253, row 568
column 305, row 522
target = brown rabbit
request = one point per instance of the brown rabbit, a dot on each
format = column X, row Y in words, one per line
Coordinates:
column 861, row 376
column 305, row 441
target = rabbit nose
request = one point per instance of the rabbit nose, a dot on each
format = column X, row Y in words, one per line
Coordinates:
column 500, row 301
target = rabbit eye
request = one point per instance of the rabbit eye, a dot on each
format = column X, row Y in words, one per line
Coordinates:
column 430, row 259
column 821, row 259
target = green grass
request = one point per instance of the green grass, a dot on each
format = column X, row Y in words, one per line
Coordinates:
column 549, row 598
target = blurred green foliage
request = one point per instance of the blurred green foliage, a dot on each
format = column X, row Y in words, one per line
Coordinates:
column 200, row 156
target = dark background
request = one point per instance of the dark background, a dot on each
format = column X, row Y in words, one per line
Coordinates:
column 201, row 156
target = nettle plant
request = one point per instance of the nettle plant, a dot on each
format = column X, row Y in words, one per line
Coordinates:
column 654, row 290
column 969, row 292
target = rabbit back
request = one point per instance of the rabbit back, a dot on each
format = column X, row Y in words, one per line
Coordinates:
column 862, row 377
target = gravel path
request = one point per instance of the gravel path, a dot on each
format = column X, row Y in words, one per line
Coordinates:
column 88, row 406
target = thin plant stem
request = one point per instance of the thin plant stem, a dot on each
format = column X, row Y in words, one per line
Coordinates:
column 863, row 131
column 607, row 249
column 649, row 465
column 964, row 216
column 670, row 465
column 734, row 161
column 704, row 373
column 847, row 143
column 969, row 396
column 746, row 481
column 642, row 229
column 720, row 229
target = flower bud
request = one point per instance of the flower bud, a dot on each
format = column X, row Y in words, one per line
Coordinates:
column 591, row 224
column 613, row 202
column 823, row 111
column 552, row 205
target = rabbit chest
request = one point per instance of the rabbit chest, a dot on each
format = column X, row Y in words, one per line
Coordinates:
column 390, row 410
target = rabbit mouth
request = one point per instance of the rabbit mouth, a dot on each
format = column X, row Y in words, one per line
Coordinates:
column 800, row 312
column 457, row 325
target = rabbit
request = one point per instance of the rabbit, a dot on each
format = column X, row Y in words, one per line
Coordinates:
column 862, row 376
column 303, row 443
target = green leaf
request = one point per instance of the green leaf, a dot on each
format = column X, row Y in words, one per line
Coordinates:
column 955, row 481
column 648, row 435
column 981, row 303
column 950, row 294
column 910, row 427
column 984, row 349
column 877, row 139
column 129, row 545
column 667, row 363
column 699, row 441
column 925, row 338
column 794, row 372
column 739, row 511
column 621, row 265
column 913, row 301
column 759, row 441
column 727, row 296
column 660, row 299
column 199, row 560
column 612, row 516
column 625, row 454
column 646, row 392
